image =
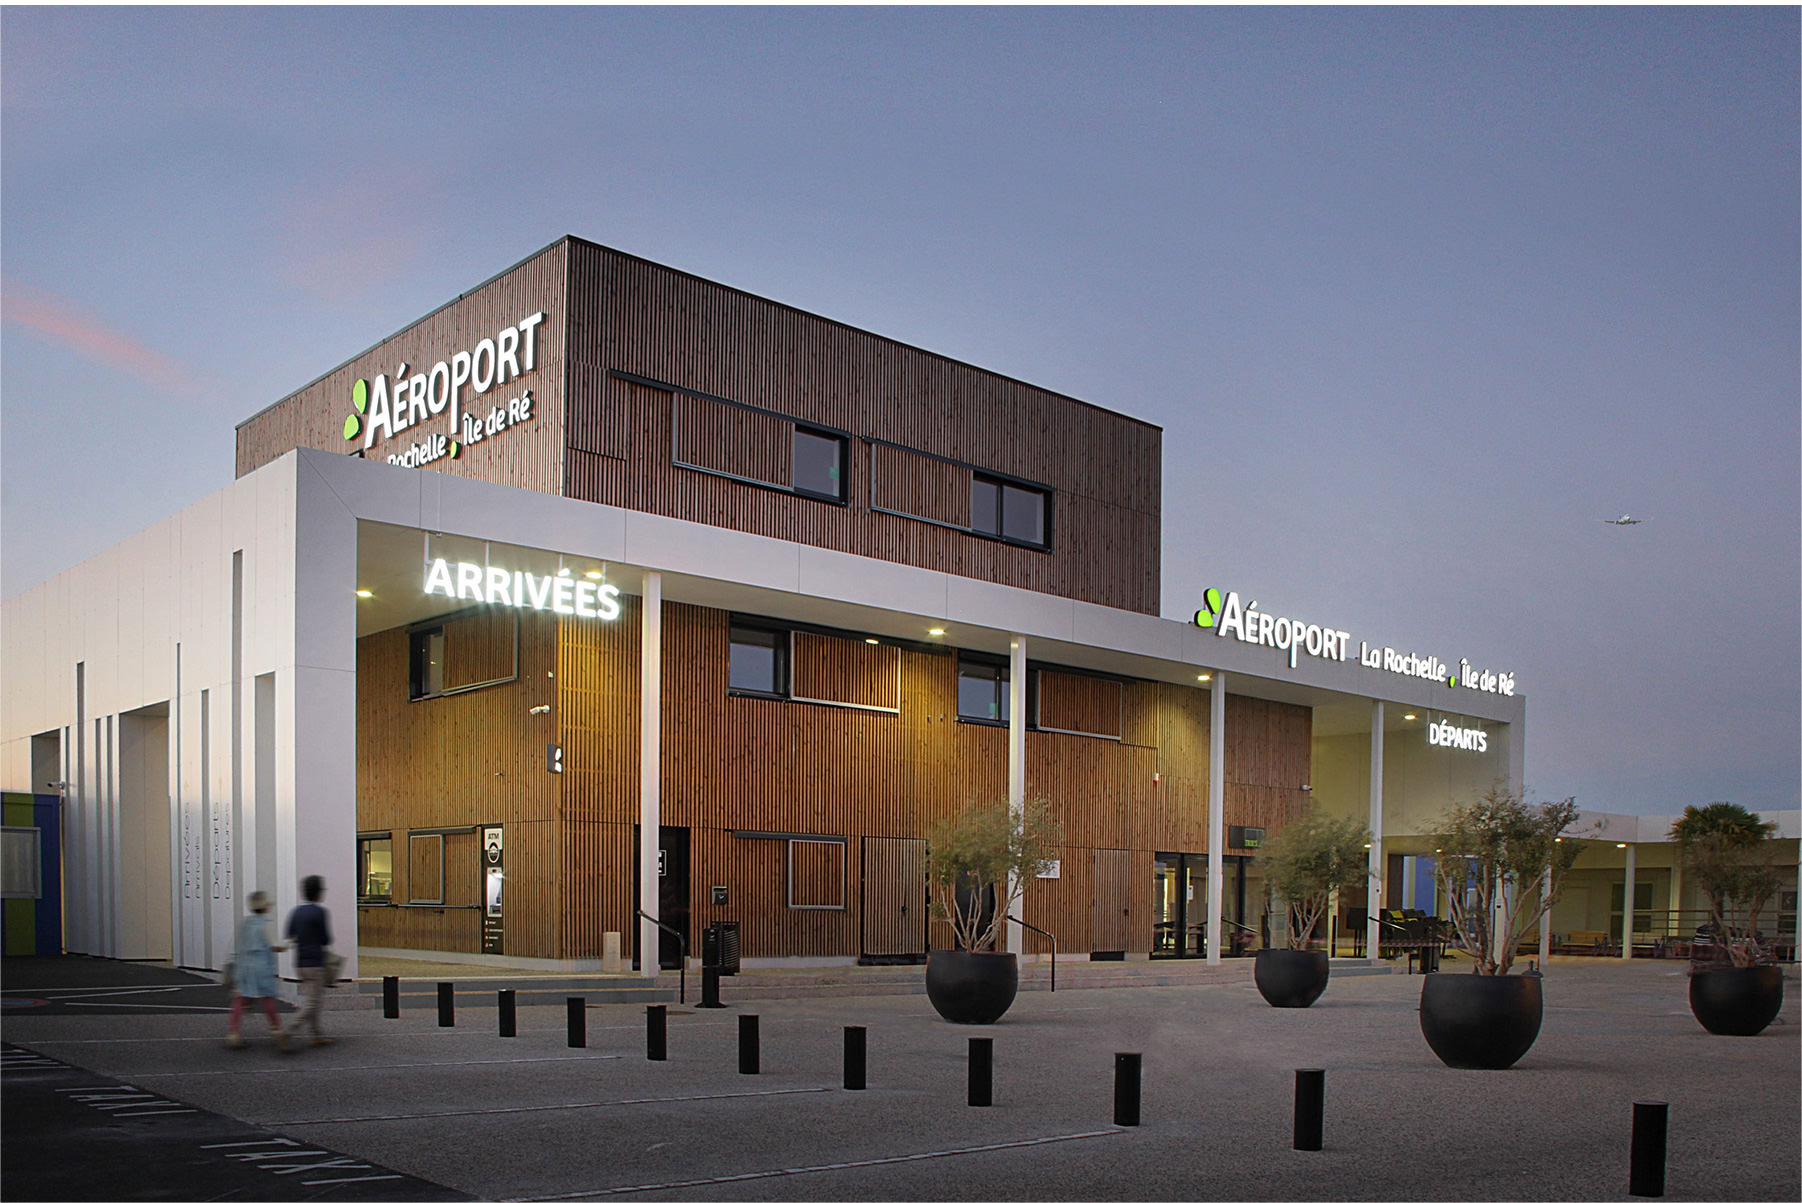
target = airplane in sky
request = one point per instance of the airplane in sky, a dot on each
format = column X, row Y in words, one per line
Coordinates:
column 1623, row 520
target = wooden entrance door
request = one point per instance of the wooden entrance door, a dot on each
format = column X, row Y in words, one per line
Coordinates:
column 1112, row 918
column 894, row 901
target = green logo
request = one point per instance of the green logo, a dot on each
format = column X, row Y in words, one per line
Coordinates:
column 359, row 397
column 1211, row 602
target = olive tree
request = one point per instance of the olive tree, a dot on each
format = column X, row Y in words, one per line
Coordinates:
column 1308, row 861
column 1501, row 862
column 981, row 859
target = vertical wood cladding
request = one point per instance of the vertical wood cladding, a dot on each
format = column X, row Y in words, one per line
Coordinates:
column 790, row 768
column 846, row 671
column 910, row 483
column 661, row 325
column 1084, row 704
column 459, row 761
column 726, row 438
column 527, row 456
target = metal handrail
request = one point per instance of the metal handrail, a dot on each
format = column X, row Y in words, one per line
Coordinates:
column 1048, row 936
column 682, row 965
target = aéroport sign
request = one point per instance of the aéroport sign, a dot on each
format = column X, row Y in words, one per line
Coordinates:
column 1228, row 615
column 578, row 598
column 385, row 407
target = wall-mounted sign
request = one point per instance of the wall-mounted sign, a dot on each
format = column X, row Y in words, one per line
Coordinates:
column 1052, row 871
column 1245, row 837
column 464, row 581
column 1446, row 734
column 385, row 408
column 1228, row 615
column 493, row 879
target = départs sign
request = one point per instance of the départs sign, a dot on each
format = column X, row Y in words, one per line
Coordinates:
column 386, row 407
column 1229, row 615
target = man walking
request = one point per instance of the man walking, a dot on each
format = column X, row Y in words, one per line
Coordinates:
column 310, row 930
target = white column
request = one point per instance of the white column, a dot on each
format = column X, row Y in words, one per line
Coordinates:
column 1016, row 767
column 1216, row 810
column 1674, row 924
column 1374, row 894
column 1627, row 906
column 650, row 764
column 1545, row 920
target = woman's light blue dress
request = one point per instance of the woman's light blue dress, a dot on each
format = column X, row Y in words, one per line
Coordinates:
column 254, row 972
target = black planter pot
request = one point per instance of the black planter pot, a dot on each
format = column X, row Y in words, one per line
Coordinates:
column 972, row 987
column 1737, row 1002
column 1290, row 977
column 1477, row 1022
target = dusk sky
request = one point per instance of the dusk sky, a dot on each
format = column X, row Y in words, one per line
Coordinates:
column 1418, row 296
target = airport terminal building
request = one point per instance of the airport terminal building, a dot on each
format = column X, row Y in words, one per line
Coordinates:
column 606, row 596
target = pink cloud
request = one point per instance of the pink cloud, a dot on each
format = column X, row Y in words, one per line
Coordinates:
column 60, row 321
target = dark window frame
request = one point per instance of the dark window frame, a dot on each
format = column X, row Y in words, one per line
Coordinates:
column 1000, row 668
column 844, row 462
column 1001, row 485
column 782, row 649
column 436, row 626
column 364, row 839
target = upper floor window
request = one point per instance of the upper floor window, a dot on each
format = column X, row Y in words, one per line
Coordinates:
column 818, row 467
column 1008, row 511
column 758, row 661
column 982, row 691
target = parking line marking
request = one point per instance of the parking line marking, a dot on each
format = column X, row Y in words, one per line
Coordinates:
column 678, row 1098
column 816, row 1169
column 289, row 1067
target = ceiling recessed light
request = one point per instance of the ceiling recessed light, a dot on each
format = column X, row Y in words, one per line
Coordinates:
column 936, row 631
column 867, row 640
column 594, row 574
column 563, row 572
column 1205, row 677
column 1409, row 717
column 1620, row 845
column 364, row 593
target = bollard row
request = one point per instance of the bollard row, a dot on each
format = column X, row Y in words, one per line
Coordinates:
column 1647, row 1158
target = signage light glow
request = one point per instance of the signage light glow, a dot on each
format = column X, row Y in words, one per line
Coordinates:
column 464, row 581
column 1227, row 614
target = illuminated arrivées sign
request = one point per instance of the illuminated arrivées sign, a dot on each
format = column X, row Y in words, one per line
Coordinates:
column 579, row 598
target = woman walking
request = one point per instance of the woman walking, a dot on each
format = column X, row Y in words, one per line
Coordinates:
column 253, row 973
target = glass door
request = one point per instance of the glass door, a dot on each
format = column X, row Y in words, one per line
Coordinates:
column 1179, row 904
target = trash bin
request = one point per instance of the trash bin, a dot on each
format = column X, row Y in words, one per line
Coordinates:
column 719, row 947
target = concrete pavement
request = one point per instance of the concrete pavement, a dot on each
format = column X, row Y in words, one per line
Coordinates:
column 530, row 1118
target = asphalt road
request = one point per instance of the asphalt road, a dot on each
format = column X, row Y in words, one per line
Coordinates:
column 531, row 1118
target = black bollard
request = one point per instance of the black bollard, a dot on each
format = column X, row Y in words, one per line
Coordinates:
column 390, row 998
column 509, row 1018
column 578, row 1023
column 710, row 988
column 855, row 1047
column 982, row 1071
column 1310, row 1102
column 447, row 1008
column 1646, row 1177
column 656, row 1032
column 748, row 1060
column 1126, row 1089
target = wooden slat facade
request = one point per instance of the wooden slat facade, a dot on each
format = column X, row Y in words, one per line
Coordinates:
column 873, row 779
column 660, row 325
column 1086, row 705
column 526, row 456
